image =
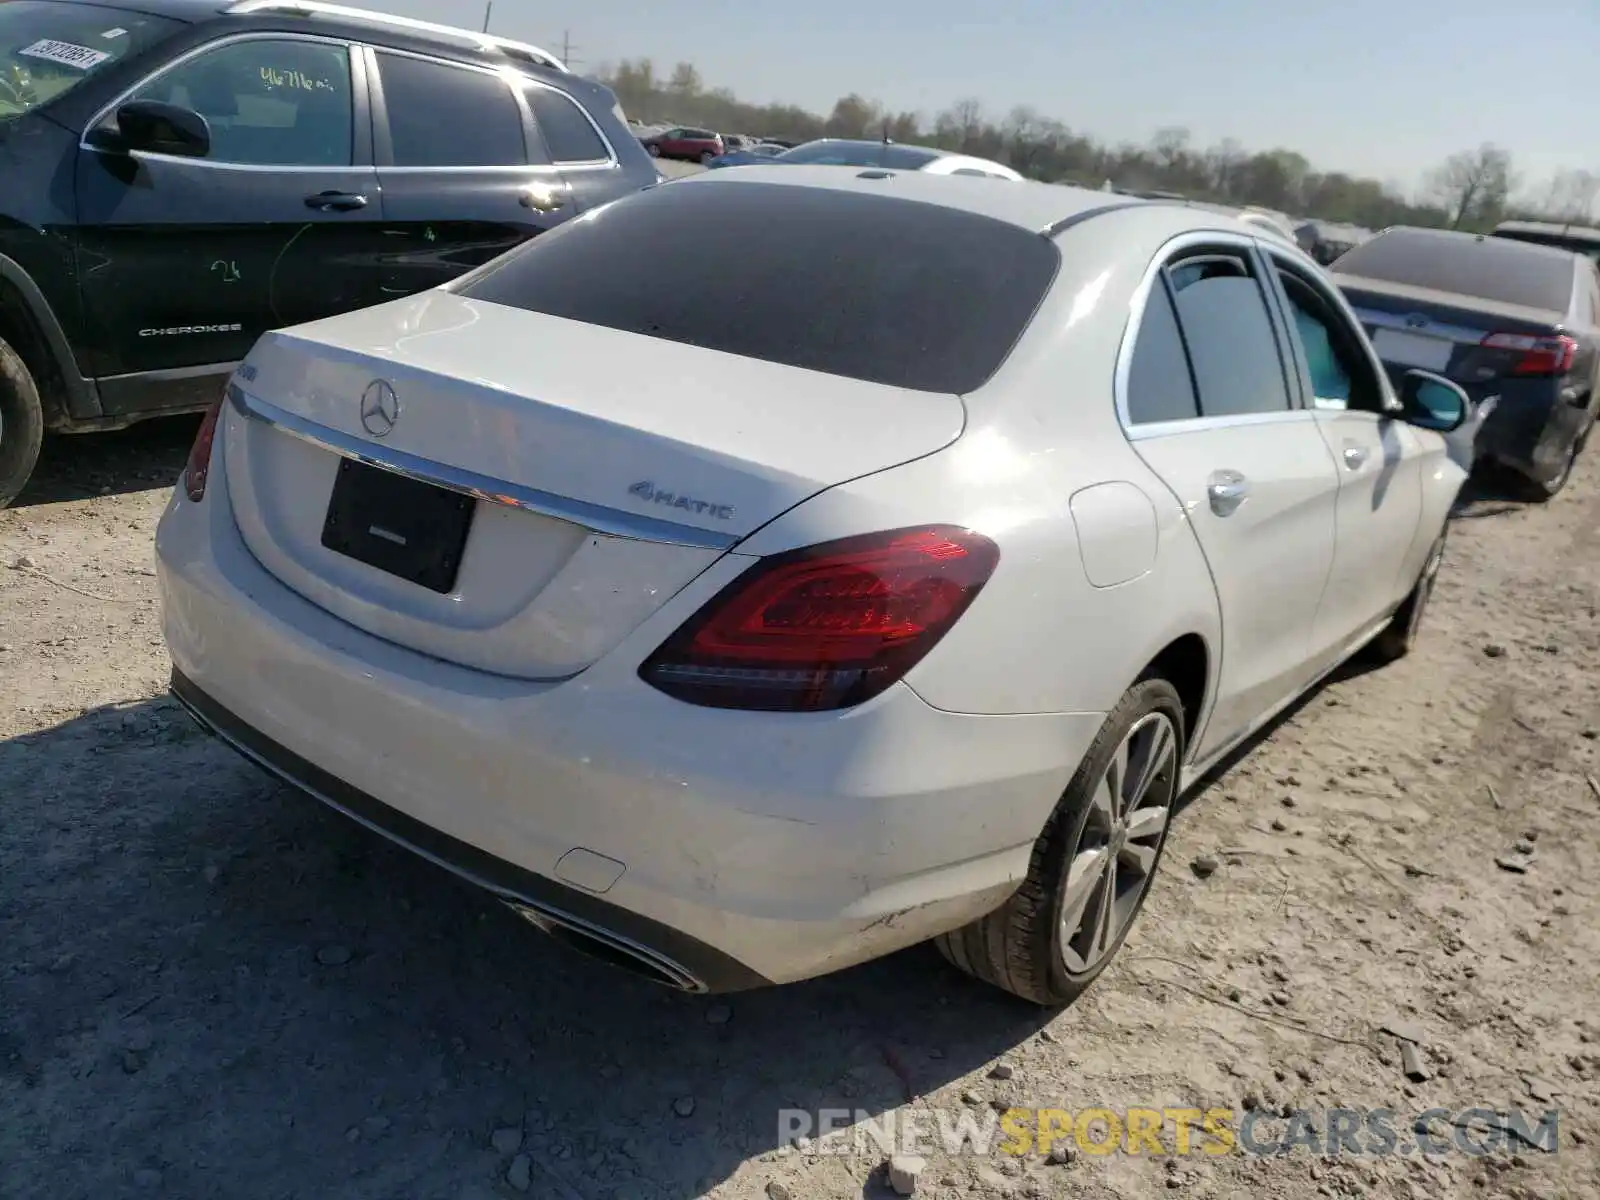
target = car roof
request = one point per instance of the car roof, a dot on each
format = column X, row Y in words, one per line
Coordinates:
column 178, row 10
column 1040, row 207
column 1462, row 238
column 1573, row 232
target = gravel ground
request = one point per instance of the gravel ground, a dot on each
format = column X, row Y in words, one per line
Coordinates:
column 211, row 987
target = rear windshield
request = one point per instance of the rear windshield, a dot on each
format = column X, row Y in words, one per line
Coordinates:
column 1588, row 247
column 865, row 286
column 861, row 154
column 1494, row 268
column 47, row 48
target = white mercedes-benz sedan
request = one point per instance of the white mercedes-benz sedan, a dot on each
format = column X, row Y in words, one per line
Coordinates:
column 739, row 617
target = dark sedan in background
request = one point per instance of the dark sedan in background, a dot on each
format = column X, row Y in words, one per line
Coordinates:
column 1504, row 319
column 1578, row 238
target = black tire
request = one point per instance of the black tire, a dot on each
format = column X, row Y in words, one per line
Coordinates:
column 1019, row 946
column 1399, row 636
column 655, row 151
column 1539, row 490
column 706, row 158
column 21, row 424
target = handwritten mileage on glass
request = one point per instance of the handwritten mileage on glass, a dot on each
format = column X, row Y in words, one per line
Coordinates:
column 294, row 80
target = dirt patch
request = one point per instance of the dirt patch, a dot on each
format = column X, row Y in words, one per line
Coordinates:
column 212, row 987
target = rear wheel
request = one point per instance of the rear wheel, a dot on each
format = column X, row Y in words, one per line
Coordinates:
column 21, row 424
column 1092, row 866
column 1538, row 490
column 1400, row 634
column 705, row 159
column 655, row 151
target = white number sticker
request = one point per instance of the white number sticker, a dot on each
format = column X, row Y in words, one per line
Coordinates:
column 67, row 54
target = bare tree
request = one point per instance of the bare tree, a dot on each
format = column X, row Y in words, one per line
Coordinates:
column 1570, row 196
column 961, row 123
column 855, row 116
column 1474, row 185
column 685, row 81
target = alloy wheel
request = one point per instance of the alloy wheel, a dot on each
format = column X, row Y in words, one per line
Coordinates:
column 1114, row 860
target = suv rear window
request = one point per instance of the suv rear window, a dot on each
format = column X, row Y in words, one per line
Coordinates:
column 47, row 48
column 868, row 287
column 1494, row 268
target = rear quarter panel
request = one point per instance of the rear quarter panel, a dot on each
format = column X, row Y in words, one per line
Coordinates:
column 1042, row 638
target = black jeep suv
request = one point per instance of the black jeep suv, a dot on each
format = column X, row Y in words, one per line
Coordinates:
column 178, row 176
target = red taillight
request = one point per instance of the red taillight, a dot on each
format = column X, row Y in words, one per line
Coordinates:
column 828, row 626
column 199, row 464
column 1536, row 355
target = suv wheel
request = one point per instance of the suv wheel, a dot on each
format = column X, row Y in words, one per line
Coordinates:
column 21, row 424
column 705, row 159
column 1092, row 866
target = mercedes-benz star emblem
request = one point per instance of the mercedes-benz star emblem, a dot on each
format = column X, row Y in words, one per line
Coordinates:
column 380, row 408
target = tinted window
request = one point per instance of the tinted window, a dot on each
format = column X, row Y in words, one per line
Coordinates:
column 268, row 101
column 861, row 154
column 1500, row 269
column 1225, row 324
column 442, row 116
column 1339, row 375
column 866, row 286
column 1160, row 387
column 47, row 49
column 567, row 132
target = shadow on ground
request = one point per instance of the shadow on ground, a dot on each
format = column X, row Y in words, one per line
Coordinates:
column 211, row 977
column 80, row 465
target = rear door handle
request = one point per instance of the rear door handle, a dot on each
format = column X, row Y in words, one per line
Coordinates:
column 1355, row 457
column 1226, row 491
column 336, row 201
column 542, row 197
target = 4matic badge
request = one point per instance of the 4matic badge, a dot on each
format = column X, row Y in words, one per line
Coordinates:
column 650, row 493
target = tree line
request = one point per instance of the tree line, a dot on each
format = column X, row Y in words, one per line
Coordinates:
column 1471, row 190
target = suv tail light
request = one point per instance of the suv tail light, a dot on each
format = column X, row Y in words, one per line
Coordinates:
column 828, row 626
column 1538, row 355
column 198, row 467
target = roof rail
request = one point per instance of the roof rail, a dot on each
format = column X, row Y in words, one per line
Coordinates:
column 481, row 41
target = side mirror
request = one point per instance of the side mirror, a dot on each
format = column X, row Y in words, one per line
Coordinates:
column 1431, row 401
column 163, row 129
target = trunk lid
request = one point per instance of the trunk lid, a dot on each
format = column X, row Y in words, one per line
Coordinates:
column 606, row 469
column 1442, row 331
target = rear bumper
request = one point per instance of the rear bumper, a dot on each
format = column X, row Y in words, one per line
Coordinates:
column 730, row 848
column 673, row 957
column 1531, row 427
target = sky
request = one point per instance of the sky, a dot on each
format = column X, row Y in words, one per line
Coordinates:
column 1384, row 88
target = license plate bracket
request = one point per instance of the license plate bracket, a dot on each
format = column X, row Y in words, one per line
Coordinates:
column 405, row 527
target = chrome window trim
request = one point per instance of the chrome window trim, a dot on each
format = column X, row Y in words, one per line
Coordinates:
column 581, row 164
column 1196, row 238
column 194, row 52
column 603, row 519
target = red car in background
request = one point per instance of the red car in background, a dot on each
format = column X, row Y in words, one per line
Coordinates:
column 695, row 145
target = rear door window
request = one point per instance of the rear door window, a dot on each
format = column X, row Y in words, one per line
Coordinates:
column 1494, row 268
column 568, row 134
column 1222, row 311
column 448, row 116
column 869, row 287
column 1160, row 383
